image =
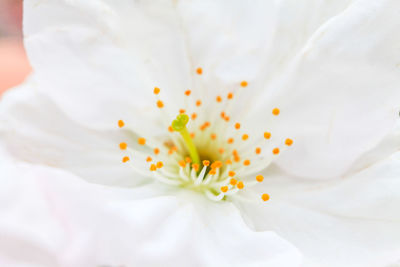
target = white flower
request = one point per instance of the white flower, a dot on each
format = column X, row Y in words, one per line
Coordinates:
column 320, row 80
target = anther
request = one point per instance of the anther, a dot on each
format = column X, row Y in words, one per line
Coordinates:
column 121, row 123
column 245, row 137
column 265, row 197
column 199, row 71
column 276, row 111
column 125, row 159
column 224, row 189
column 240, row 185
column 219, row 99
column 153, row 167
column 198, row 103
column 288, row 142
column 156, row 90
column 194, row 116
column 230, row 140
column 275, row 151
column 206, row 162
column 228, row 162
column 160, row 104
column 243, row 84
column 188, row 159
column 188, row 92
column 267, row 135
column 258, row 150
column 196, row 166
column 237, row 126
column 213, row 136
column 159, row 164
column 156, row 150
column 246, row 162
column 123, row 146
column 229, row 96
column 149, row 159
column 221, row 150
column 182, row 111
column 231, row 173
column 259, row 178
column 170, row 129
column 141, row 141
column 182, row 163
column 233, row 181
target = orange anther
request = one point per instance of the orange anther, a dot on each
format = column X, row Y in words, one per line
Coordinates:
column 259, row 178
column 245, row 137
column 182, row 163
column 125, row 159
column 181, row 111
column 221, row 150
column 237, row 126
column 206, row 162
column 276, row 111
column 267, row 135
column 227, row 118
column 230, row 140
column 156, row 151
column 223, row 114
column 275, row 151
column 219, row 99
column 213, row 136
column 265, row 197
column 213, row 172
column 153, row 167
column 258, row 150
column 236, row 158
column 224, row 189
column 123, row 146
column 240, row 185
column 228, row 162
column 198, row 103
column 199, row 71
column 170, row 129
column 160, row 164
column 216, row 164
column 192, row 135
column 141, row 141
column 195, row 166
column 188, row 92
column 233, row 181
column 232, row 173
column 235, row 153
column 149, row 159
column 243, row 84
column 194, row 116
column 188, row 160
column 121, row 123
column 246, row 162
column 160, row 104
column 230, row 96
column 156, row 90
column 288, row 142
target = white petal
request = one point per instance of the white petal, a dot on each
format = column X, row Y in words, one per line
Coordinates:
column 351, row 222
column 341, row 97
column 50, row 218
column 35, row 130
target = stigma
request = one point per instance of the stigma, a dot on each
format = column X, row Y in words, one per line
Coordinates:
column 205, row 149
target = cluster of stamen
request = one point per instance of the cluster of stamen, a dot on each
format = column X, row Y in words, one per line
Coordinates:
column 202, row 157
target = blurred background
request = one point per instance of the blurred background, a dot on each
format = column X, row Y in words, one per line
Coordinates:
column 14, row 66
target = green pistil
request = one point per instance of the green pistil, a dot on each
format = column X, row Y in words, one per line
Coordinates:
column 179, row 125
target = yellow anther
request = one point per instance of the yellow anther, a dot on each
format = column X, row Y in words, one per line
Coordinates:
column 149, row 159
column 182, row 163
column 153, row 167
column 156, row 90
column 229, row 96
column 194, row 116
column 246, row 162
column 240, row 185
column 199, row 71
column 267, row 135
column 275, row 151
column 224, row 189
column 243, row 84
column 160, row 104
column 188, row 92
column 258, row 150
column 198, row 103
column 121, row 123
column 232, row 173
column 276, row 111
column 213, row 136
column 237, row 126
column 159, row 164
column 141, row 141
column 233, row 181
column 219, row 99
column 206, row 162
column 259, row 178
column 245, row 137
column 196, row 166
column 156, row 150
column 123, row 146
column 288, row 142
column 230, row 140
column 125, row 159
column 265, row 197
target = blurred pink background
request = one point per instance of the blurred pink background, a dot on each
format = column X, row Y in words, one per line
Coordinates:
column 14, row 66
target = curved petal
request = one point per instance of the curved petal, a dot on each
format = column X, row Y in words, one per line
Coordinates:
column 351, row 222
column 80, row 224
column 341, row 96
column 35, row 130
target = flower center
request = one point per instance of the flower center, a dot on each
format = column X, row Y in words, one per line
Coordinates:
column 213, row 156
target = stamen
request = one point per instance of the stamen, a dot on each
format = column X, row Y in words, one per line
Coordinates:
column 276, row 151
column 156, row 90
column 259, row 178
column 258, row 150
column 153, row 167
column 182, row 111
column 267, row 135
column 231, row 173
column 149, row 159
column 196, row 166
column 246, row 162
column 182, row 163
column 237, row 126
column 160, row 104
column 224, row 189
column 121, row 123
column 206, row 162
column 213, row 136
column 229, row 96
column 245, row 137
column 188, row 92
column 276, row 111
column 288, row 142
column 240, row 185
column 123, row 146
column 198, row 103
column 219, row 99
column 199, row 71
column 233, row 181
column 156, row 151
column 230, row 140
column 125, row 159
column 194, row 116
column 141, row 141
column 159, row 165
column 243, row 84
column 265, row 197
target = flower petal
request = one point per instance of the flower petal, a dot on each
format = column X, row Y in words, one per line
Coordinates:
column 81, row 224
column 351, row 222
